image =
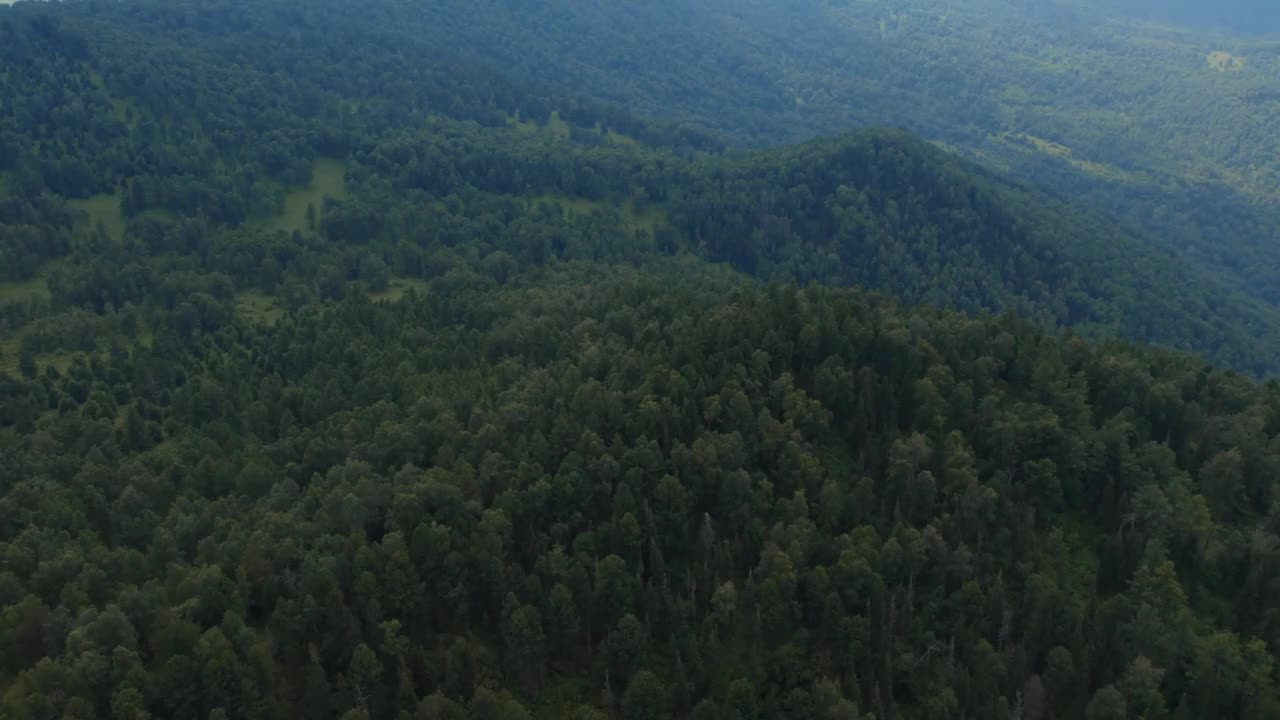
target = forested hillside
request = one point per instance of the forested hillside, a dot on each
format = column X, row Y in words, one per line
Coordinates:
column 346, row 373
column 1175, row 130
column 199, row 189
column 634, row 493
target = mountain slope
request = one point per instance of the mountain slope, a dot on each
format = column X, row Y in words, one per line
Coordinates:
column 887, row 211
column 627, row 494
column 200, row 181
column 349, row 379
column 1170, row 129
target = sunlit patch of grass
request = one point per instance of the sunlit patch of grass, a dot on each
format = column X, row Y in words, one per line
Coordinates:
column 526, row 127
column 616, row 138
column 103, row 209
column 1223, row 61
column 328, row 179
column 555, row 127
column 1045, row 146
column 1058, row 150
column 647, row 218
column 258, row 308
column 61, row 361
column 23, row 290
column 398, row 288
column 120, row 106
column 9, row 355
column 957, row 150
column 12, row 345
column 14, row 292
column 11, row 341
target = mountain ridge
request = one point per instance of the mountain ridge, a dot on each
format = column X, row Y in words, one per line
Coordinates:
column 344, row 378
column 1086, row 274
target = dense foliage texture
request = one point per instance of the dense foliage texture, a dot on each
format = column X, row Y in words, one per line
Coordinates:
column 643, row 495
column 343, row 375
column 1177, row 132
column 447, row 168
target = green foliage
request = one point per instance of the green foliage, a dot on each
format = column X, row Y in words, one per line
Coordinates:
column 327, row 182
column 1072, row 95
column 434, row 177
column 645, row 698
column 489, row 437
column 412, row 502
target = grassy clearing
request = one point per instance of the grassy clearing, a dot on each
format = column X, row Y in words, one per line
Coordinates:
column 1026, row 141
column 1225, row 61
column 258, row 308
column 61, row 361
column 104, row 209
column 526, row 127
column 616, row 138
column 328, row 179
column 398, row 288
column 1047, row 147
column 261, row 309
column 648, row 218
column 120, row 106
column 23, row 290
column 556, row 127
column 959, row 150
column 11, row 342
column 9, row 355
column 9, row 348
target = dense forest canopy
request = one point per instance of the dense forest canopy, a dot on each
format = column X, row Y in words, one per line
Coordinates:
column 660, row 493
column 428, row 151
column 1174, row 129
column 359, row 364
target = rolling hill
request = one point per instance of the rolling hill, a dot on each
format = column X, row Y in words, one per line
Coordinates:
column 1172, row 129
column 347, row 373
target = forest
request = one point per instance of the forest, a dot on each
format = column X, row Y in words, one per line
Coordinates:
column 1171, row 129
column 444, row 170
column 347, row 373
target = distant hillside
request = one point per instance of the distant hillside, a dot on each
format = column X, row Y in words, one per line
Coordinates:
column 444, row 162
column 345, row 375
column 1174, row 130
column 885, row 210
